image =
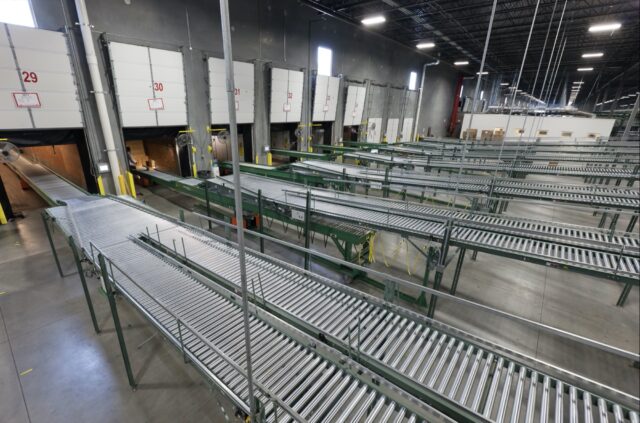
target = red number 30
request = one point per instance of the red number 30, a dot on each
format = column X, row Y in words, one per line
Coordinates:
column 29, row 77
column 157, row 86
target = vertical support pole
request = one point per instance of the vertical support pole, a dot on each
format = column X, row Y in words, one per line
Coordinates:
column 440, row 268
column 474, row 256
column 116, row 320
column 385, row 187
column 422, row 299
column 181, row 215
column 260, row 220
column 614, row 221
column 632, row 223
column 625, row 293
column 603, row 220
column 83, row 280
column 235, row 155
column 456, row 275
column 45, row 220
column 206, row 199
column 307, row 235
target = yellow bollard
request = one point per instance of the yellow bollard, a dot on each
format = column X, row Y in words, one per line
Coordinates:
column 269, row 159
column 132, row 187
column 123, row 188
column 257, row 159
column 100, row 185
column 3, row 217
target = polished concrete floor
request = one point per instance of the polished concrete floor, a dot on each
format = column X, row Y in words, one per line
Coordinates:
column 54, row 368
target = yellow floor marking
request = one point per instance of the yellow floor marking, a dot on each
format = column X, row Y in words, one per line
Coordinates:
column 26, row 372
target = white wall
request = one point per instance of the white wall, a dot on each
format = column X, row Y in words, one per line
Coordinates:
column 580, row 128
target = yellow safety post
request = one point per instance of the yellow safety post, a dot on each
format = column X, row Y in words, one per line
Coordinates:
column 3, row 217
column 310, row 148
column 269, row 159
column 132, row 187
column 100, row 185
column 257, row 159
column 123, row 187
column 194, row 168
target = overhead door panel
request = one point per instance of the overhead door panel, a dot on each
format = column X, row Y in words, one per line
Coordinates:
column 407, row 128
column 286, row 95
column 243, row 77
column 37, row 82
column 376, row 98
column 391, row 133
column 355, row 105
column 411, row 102
column 326, row 98
column 149, row 85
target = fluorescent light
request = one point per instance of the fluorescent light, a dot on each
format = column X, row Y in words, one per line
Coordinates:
column 483, row 73
column 578, row 82
column 413, row 79
column 461, row 63
column 425, row 45
column 373, row 20
column 324, row 61
column 585, row 69
column 611, row 26
column 589, row 55
column 504, row 84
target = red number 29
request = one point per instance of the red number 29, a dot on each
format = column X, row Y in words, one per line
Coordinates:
column 29, row 77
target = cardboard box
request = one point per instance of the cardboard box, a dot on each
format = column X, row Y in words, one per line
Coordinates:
column 473, row 134
column 486, row 135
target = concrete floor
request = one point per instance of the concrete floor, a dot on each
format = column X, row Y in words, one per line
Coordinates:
column 54, row 368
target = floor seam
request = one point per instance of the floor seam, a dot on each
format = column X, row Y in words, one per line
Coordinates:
column 15, row 366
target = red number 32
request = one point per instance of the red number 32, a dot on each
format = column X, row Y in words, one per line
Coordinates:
column 29, row 77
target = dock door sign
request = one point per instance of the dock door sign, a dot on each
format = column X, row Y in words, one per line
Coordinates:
column 26, row 100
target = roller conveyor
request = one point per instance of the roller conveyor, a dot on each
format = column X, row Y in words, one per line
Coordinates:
column 206, row 323
column 543, row 146
column 435, row 361
column 418, row 182
column 49, row 186
column 526, row 240
column 519, row 155
column 579, row 171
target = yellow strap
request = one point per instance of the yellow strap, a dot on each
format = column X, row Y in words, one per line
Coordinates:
column 100, row 185
column 186, row 131
column 132, row 187
column 123, row 188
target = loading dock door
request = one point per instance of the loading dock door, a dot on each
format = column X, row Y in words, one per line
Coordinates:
column 149, row 85
column 355, row 105
column 286, row 95
column 326, row 98
column 37, row 81
column 244, row 91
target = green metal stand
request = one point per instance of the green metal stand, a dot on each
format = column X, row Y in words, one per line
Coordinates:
column 456, row 275
column 45, row 220
column 87, row 296
column 116, row 320
column 260, row 217
column 307, row 235
column 440, row 268
column 206, row 199
column 625, row 293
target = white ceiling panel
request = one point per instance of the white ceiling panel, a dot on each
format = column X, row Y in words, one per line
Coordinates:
column 37, row 80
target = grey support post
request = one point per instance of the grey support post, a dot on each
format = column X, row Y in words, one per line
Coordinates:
column 83, row 280
column 45, row 220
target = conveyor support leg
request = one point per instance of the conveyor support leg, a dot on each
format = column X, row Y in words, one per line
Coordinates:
column 456, row 274
column 474, row 256
column 422, row 299
column 206, row 199
column 614, row 221
column 625, row 293
column 603, row 220
column 260, row 222
column 51, row 244
column 116, row 321
column 632, row 223
column 83, row 280
column 307, row 235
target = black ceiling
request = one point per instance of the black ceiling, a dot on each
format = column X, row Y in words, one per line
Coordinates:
column 459, row 27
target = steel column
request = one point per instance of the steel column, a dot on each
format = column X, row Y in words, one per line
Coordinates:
column 260, row 223
column 307, row 235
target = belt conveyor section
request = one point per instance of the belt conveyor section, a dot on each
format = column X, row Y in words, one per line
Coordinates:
column 418, row 182
column 620, row 264
column 521, row 155
column 158, row 175
column 432, row 360
column 287, row 364
column 580, row 171
column 548, row 146
column 53, row 188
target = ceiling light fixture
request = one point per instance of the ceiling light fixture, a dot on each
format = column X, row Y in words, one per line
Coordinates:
column 504, row 84
column 373, row 20
column 611, row 26
column 590, row 55
column 461, row 63
column 425, row 45
column 482, row 73
column 585, row 69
